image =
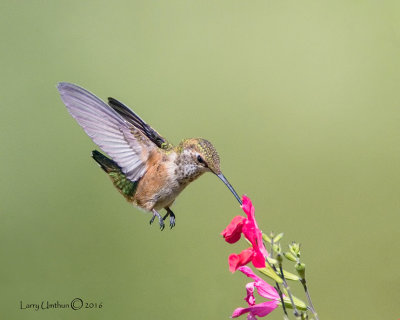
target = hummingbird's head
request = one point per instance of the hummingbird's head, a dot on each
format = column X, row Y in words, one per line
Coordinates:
column 204, row 157
column 202, row 154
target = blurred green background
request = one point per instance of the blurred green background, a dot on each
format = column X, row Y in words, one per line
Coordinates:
column 301, row 98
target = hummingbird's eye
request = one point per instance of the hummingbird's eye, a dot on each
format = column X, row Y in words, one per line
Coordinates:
column 200, row 159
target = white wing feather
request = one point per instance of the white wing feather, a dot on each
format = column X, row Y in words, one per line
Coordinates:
column 126, row 145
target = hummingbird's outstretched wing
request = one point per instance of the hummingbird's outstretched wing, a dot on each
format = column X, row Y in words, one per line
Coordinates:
column 124, row 143
column 135, row 120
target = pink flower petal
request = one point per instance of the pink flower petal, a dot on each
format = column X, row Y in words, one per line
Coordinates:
column 261, row 309
column 260, row 244
column 258, row 259
column 253, row 234
column 251, row 301
column 237, row 260
column 251, row 317
column 239, row 311
column 248, row 272
column 233, row 231
column 248, row 207
column 264, row 289
column 246, row 204
column 267, row 291
column 250, row 231
column 255, row 237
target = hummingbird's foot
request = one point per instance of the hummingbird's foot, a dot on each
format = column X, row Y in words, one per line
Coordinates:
column 160, row 219
column 172, row 221
column 171, row 217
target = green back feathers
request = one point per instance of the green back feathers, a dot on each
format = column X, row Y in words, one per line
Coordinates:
column 124, row 185
column 120, row 181
column 166, row 146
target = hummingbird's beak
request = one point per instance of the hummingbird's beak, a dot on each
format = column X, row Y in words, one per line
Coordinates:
column 222, row 177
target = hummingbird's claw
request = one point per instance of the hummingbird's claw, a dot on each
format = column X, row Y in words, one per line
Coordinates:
column 172, row 222
column 160, row 219
column 171, row 217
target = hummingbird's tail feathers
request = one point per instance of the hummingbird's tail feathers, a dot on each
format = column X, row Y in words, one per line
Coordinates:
column 136, row 121
column 105, row 163
column 125, row 186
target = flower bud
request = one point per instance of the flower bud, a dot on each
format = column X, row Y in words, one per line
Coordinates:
column 301, row 269
column 277, row 248
column 295, row 248
column 279, row 258
column 290, row 256
column 278, row 237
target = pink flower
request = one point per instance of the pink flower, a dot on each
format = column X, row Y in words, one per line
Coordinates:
column 237, row 260
column 248, row 226
column 233, row 231
column 265, row 290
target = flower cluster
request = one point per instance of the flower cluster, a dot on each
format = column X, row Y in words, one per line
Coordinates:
column 264, row 290
column 248, row 226
column 257, row 254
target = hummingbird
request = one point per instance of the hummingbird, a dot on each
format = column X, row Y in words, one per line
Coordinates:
column 145, row 168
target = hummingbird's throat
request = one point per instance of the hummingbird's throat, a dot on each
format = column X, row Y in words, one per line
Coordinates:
column 187, row 169
column 188, row 173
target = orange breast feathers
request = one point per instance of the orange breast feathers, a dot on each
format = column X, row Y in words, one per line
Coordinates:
column 153, row 182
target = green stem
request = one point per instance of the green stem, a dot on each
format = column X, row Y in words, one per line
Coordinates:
column 311, row 306
column 295, row 311
column 278, row 288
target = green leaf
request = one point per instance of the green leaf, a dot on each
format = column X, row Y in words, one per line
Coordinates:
column 288, row 275
column 266, row 238
column 297, row 302
column 290, row 256
column 269, row 272
column 278, row 237
column 273, row 261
